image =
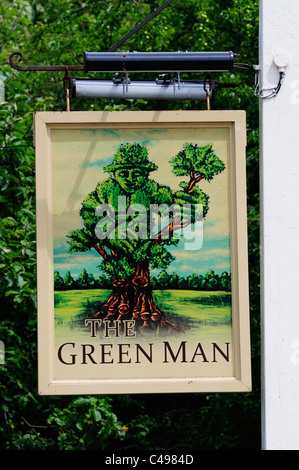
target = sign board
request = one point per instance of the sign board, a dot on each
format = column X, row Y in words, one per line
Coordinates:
column 142, row 252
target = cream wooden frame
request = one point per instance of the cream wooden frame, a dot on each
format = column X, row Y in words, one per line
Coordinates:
column 236, row 122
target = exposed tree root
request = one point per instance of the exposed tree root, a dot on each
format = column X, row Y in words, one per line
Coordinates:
column 133, row 299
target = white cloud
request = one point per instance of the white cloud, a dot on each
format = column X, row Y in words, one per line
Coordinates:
column 203, row 254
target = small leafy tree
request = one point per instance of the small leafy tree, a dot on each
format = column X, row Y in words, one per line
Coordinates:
column 58, row 281
column 83, row 280
column 225, row 281
column 68, row 280
column 197, row 162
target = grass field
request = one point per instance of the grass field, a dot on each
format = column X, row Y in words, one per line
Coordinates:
column 209, row 311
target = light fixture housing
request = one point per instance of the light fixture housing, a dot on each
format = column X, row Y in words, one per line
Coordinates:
column 151, row 90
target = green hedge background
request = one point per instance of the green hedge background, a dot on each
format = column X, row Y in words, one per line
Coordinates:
column 56, row 32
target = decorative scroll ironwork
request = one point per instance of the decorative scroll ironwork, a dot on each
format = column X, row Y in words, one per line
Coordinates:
column 37, row 68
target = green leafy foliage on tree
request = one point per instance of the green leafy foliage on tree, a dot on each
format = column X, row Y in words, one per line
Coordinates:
column 55, row 32
column 198, row 162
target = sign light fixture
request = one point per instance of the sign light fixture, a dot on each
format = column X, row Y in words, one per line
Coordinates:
column 149, row 90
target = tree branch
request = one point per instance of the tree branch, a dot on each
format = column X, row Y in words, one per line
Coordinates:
column 174, row 225
column 193, row 181
column 101, row 250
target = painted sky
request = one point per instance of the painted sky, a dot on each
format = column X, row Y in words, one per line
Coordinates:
column 78, row 158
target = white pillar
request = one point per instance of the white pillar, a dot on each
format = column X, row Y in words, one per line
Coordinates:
column 279, row 32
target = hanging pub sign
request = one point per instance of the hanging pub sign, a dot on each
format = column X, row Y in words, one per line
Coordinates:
column 142, row 252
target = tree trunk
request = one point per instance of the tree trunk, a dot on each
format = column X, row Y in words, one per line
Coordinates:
column 133, row 298
column 118, row 303
column 144, row 307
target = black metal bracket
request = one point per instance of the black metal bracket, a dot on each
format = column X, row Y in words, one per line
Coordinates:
column 38, row 68
column 140, row 25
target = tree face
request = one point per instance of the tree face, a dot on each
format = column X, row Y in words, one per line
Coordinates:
column 131, row 179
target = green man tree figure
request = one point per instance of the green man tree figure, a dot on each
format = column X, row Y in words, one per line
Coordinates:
column 118, row 223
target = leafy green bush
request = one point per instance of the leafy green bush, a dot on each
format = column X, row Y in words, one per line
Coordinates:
column 87, row 423
column 83, row 423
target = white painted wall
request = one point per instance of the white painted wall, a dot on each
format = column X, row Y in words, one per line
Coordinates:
column 279, row 31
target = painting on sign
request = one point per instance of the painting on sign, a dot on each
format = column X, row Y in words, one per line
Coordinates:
column 147, row 293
